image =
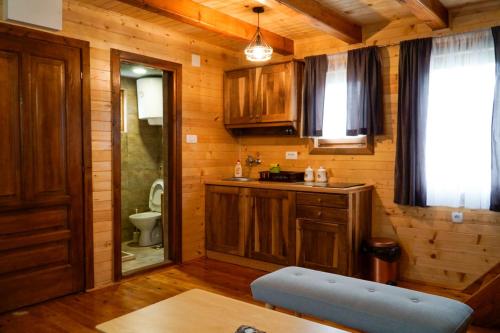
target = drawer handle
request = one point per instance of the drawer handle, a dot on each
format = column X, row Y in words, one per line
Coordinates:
column 320, row 200
column 319, row 214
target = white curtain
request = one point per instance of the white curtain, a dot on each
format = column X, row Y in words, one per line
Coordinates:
column 335, row 114
column 458, row 139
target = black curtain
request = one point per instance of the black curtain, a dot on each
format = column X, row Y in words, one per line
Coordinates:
column 495, row 130
column 314, row 94
column 365, row 113
column 414, row 65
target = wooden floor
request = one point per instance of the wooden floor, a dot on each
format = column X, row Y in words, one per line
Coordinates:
column 82, row 312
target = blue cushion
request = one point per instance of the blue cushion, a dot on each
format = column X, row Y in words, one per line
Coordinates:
column 364, row 305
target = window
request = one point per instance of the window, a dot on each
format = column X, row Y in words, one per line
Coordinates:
column 459, row 115
column 334, row 139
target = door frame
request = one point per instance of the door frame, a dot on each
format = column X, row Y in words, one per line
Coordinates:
column 173, row 125
column 84, row 46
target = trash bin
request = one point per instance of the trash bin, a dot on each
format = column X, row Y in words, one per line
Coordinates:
column 384, row 256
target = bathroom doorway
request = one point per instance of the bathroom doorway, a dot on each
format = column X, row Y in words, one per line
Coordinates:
column 146, row 162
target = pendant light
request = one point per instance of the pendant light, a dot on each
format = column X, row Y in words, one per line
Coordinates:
column 258, row 49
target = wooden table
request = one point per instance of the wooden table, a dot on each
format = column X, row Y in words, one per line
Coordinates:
column 201, row 311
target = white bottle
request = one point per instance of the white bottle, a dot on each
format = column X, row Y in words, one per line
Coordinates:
column 321, row 175
column 309, row 175
column 238, row 171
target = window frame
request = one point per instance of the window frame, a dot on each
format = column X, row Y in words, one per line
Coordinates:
column 344, row 146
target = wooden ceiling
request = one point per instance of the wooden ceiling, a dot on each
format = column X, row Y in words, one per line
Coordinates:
column 283, row 21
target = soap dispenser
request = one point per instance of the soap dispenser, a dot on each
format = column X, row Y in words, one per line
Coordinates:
column 238, row 171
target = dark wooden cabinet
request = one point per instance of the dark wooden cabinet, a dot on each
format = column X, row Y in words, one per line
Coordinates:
column 264, row 96
column 271, row 219
column 238, row 97
column 224, row 226
column 322, row 246
column 272, row 227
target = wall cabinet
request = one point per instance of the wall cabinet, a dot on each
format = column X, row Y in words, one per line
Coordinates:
column 238, row 97
column 322, row 231
column 264, row 96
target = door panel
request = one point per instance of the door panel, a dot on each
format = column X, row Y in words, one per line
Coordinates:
column 271, row 219
column 10, row 149
column 238, row 97
column 274, row 93
column 41, row 231
column 322, row 246
column 224, row 227
column 49, row 125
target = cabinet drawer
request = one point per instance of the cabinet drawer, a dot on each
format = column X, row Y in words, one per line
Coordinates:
column 326, row 200
column 322, row 213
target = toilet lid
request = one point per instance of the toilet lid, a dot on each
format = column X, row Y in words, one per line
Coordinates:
column 155, row 195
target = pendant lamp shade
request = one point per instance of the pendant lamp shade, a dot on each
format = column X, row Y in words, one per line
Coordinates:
column 258, row 49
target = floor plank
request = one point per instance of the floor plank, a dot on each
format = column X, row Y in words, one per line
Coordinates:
column 82, row 312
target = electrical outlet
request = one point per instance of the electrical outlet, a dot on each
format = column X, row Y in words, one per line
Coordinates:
column 191, row 138
column 457, row 217
column 291, row 155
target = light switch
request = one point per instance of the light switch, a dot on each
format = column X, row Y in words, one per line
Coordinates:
column 291, row 155
column 191, row 138
column 195, row 60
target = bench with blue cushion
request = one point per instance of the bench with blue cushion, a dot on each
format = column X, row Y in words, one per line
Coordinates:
column 363, row 305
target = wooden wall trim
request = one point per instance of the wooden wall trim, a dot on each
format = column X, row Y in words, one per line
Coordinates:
column 87, row 160
column 173, row 123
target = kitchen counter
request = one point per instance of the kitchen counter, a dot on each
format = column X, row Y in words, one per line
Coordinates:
column 299, row 187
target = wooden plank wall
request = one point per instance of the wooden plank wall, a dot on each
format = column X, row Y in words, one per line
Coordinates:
column 202, row 115
column 435, row 250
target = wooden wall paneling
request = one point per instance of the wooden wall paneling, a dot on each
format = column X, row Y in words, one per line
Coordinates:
column 435, row 251
column 212, row 157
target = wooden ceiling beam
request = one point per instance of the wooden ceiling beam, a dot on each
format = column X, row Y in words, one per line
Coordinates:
column 325, row 19
column 210, row 19
column 431, row 12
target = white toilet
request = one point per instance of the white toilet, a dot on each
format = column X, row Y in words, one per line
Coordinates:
column 149, row 223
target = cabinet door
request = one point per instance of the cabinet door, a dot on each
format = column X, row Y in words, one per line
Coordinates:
column 272, row 237
column 238, row 97
column 224, row 227
column 322, row 246
column 274, row 101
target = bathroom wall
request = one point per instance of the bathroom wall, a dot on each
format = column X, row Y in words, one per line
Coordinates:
column 141, row 150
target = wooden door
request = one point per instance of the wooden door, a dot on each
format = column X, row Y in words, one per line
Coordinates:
column 272, row 236
column 41, row 178
column 238, row 97
column 224, row 220
column 322, row 246
column 273, row 93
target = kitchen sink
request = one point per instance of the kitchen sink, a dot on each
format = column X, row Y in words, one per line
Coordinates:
column 240, row 179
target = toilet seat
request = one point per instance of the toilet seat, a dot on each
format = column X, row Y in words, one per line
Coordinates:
column 155, row 195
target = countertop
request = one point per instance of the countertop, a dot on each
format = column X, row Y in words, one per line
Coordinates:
column 299, row 187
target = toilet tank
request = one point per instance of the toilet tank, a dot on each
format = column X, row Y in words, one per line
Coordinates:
column 150, row 99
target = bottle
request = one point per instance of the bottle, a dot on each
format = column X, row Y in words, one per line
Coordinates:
column 321, row 175
column 238, row 172
column 309, row 175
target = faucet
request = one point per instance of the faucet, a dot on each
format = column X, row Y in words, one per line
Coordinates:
column 251, row 161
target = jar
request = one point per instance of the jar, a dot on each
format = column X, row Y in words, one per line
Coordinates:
column 321, row 176
column 309, row 175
